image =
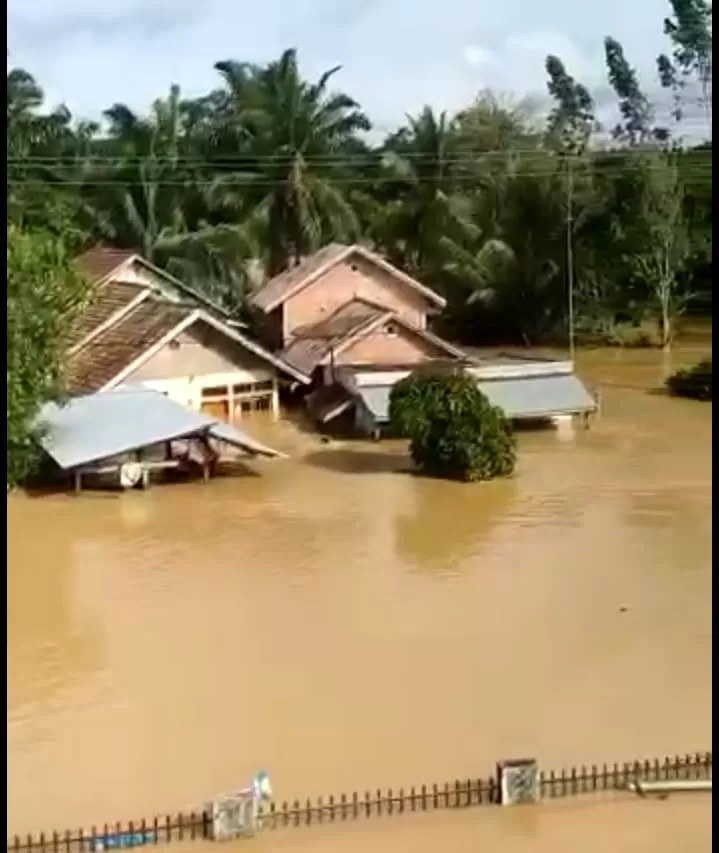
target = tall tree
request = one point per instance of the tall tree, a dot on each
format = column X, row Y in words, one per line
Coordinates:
column 657, row 240
column 421, row 204
column 690, row 31
column 636, row 112
column 296, row 136
column 572, row 120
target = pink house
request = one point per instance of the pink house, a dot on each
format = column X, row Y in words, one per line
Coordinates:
column 347, row 306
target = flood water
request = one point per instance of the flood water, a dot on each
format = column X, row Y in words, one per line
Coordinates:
column 345, row 625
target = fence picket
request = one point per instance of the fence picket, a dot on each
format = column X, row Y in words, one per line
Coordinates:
column 568, row 782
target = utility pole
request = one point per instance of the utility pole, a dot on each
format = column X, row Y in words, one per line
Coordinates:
column 570, row 253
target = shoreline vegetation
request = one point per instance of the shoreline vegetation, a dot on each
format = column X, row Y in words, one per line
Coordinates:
column 534, row 228
column 694, row 383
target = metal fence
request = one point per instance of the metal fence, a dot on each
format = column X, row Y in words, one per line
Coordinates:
column 457, row 795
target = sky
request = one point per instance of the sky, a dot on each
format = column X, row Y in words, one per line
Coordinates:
column 396, row 55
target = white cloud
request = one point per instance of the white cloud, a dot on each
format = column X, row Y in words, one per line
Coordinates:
column 396, row 55
column 477, row 56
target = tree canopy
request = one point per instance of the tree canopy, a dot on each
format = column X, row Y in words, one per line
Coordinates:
column 504, row 211
column 454, row 431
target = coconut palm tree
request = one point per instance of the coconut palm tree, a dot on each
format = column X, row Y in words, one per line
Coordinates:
column 289, row 140
column 422, row 205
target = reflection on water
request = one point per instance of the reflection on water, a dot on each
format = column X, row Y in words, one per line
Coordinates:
column 346, row 625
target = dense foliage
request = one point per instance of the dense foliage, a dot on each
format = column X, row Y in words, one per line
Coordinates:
column 693, row 382
column 42, row 294
column 454, row 431
column 500, row 209
column 530, row 226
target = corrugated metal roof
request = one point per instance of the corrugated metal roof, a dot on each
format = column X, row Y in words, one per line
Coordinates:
column 538, row 397
column 232, row 435
column 534, row 397
column 376, row 399
column 99, row 426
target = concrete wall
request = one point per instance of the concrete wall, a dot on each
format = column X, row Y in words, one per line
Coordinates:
column 200, row 359
column 389, row 345
column 355, row 278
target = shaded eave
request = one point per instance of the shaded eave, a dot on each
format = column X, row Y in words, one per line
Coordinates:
column 168, row 277
column 391, row 316
column 371, row 257
column 199, row 315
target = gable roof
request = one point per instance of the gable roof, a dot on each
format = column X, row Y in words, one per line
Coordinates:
column 282, row 287
column 314, row 345
column 104, row 305
column 101, row 264
column 104, row 359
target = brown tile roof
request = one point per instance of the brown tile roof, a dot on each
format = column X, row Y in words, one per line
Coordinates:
column 283, row 285
column 103, row 357
column 280, row 288
column 313, row 343
column 100, row 262
column 107, row 300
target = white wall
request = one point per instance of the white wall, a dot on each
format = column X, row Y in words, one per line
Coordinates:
column 197, row 360
column 187, row 390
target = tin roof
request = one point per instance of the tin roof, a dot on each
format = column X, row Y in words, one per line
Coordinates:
column 100, row 426
column 520, row 399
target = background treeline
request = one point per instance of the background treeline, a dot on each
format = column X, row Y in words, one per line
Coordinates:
column 500, row 209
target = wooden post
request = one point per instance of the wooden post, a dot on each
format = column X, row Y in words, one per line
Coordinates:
column 77, row 477
column 275, row 402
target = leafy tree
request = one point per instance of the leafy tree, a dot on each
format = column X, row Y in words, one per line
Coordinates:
column 296, row 135
column 43, row 292
column 572, row 120
column 658, row 242
column 690, row 31
column 422, row 207
column 454, row 431
column 634, row 107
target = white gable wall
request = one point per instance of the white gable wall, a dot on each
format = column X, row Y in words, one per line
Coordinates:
column 199, row 359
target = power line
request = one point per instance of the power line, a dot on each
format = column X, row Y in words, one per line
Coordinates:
column 459, row 156
column 250, row 183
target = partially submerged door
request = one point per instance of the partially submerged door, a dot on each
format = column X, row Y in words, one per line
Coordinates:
column 218, row 409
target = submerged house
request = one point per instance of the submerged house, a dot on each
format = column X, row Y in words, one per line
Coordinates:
column 143, row 328
column 353, row 325
column 127, row 435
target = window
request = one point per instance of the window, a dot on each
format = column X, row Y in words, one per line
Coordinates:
column 216, row 391
column 252, row 388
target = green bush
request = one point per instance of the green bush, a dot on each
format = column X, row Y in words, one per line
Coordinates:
column 43, row 292
column 454, row 431
column 693, row 382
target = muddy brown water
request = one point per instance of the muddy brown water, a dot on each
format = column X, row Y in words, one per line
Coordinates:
column 345, row 625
